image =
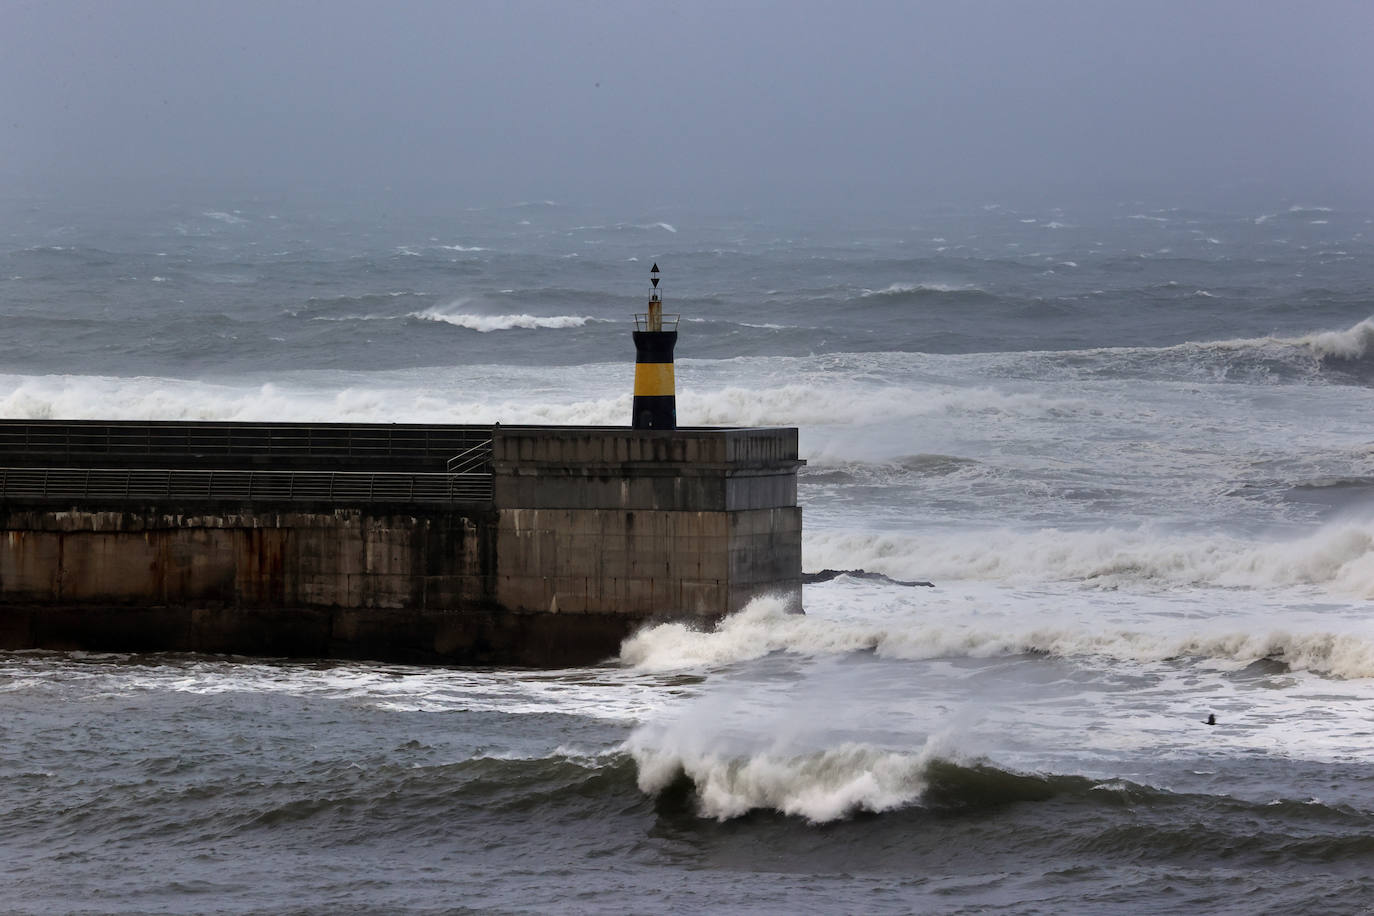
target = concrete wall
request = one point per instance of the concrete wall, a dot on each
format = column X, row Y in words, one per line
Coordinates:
column 686, row 523
column 591, row 533
column 249, row 558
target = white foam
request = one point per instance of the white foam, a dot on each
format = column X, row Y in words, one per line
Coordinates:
column 847, row 405
column 466, row 397
column 1338, row 558
column 821, row 786
column 223, row 217
column 798, row 747
column 1352, row 343
column 487, row 323
column 1332, row 645
column 901, row 289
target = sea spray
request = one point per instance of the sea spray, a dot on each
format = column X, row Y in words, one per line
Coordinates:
column 1343, row 649
column 1338, row 557
column 820, row 786
column 743, row 751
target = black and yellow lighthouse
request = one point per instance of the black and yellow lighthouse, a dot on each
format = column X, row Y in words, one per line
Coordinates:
column 655, row 404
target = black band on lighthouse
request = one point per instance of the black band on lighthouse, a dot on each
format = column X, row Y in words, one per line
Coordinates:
column 655, row 402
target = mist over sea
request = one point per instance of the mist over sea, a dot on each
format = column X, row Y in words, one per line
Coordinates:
column 1128, row 442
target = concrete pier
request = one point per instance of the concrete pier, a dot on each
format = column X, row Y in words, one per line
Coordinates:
column 537, row 546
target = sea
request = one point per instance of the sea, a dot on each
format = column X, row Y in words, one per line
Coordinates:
column 1128, row 443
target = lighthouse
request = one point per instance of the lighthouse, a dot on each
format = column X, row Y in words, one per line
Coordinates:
column 655, row 404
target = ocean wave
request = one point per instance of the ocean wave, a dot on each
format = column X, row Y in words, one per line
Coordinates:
column 1343, row 356
column 232, row 219
column 728, row 778
column 1353, row 343
column 919, row 290
column 487, row 323
column 1338, row 558
column 822, row 786
column 39, row 397
column 764, row 627
column 842, row 405
column 154, row 398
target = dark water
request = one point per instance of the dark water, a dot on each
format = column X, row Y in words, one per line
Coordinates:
column 138, row 784
column 1128, row 444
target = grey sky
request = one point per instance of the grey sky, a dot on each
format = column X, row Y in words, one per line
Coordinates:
column 740, row 101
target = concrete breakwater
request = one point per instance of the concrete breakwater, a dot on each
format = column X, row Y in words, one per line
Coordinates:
column 537, row 546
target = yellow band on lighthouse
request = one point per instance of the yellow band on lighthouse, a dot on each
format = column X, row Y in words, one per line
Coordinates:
column 653, row 379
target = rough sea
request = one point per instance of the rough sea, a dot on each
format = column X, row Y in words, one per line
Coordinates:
column 1129, row 444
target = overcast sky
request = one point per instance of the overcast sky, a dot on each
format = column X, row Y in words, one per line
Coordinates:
column 731, row 101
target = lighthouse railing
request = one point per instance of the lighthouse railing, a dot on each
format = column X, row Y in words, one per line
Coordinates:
column 670, row 321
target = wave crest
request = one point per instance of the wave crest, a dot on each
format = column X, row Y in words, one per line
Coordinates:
column 764, row 627
column 820, row 786
column 919, row 290
column 1351, row 344
column 486, row 323
column 1338, row 557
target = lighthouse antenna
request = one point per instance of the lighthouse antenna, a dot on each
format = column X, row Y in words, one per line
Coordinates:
column 655, row 322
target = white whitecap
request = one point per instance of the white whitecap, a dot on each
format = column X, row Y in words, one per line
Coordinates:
column 487, row 323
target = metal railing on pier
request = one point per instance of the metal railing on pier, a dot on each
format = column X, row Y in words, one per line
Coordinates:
column 99, row 461
column 156, row 485
column 382, row 446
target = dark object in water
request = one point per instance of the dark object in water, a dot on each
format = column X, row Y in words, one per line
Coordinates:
column 825, row 575
column 1211, row 719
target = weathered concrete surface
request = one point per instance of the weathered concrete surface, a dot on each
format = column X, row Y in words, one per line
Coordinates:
column 591, row 533
column 689, row 522
column 248, row 558
column 718, row 470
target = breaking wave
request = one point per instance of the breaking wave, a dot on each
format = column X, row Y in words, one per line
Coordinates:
column 820, row 786
column 830, row 784
column 764, row 627
column 487, row 323
column 1306, row 356
column 1353, row 343
column 1339, row 558
column 838, row 404
column 1343, row 356
column 920, row 290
